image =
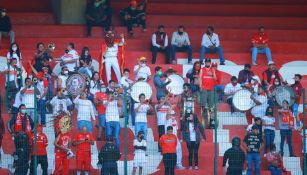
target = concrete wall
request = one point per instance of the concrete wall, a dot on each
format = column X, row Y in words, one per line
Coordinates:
column 69, row 11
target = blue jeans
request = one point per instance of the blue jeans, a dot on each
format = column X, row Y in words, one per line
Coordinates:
column 269, row 139
column 102, row 120
column 218, row 49
column 195, row 88
column 286, row 133
column 155, row 50
column 132, row 112
column 253, row 158
column 265, row 51
column 88, row 124
column 42, row 111
column 220, row 89
column 275, row 170
column 86, row 71
column 140, row 126
column 113, row 129
column 50, row 93
column 182, row 49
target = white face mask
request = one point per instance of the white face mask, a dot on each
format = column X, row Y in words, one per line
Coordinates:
column 3, row 13
column 143, row 64
column 103, row 90
column 66, row 72
column 14, row 48
column 252, row 81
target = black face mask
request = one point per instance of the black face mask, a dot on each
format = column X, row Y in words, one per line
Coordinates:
column 141, row 137
column 180, row 33
column 161, row 33
column 296, row 82
column 207, row 66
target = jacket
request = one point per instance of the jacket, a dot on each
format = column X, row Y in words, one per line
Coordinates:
column 199, row 129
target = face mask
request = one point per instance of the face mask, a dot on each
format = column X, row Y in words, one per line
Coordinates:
column 161, row 33
column 276, row 83
column 143, row 64
column 86, row 53
column 207, row 66
column 22, row 111
column 103, row 90
column 159, row 73
column 197, row 68
column 234, row 84
column 253, row 81
column 141, row 137
column 14, row 49
column 66, row 72
column 3, row 13
column 180, row 33
column 97, row 4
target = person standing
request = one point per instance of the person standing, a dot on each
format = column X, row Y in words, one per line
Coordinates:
column 269, row 128
column 14, row 52
column 207, row 83
column 168, row 144
column 100, row 99
column 83, row 141
column 21, row 122
column 253, row 144
column 6, row 26
column 140, row 147
column 260, row 42
column 159, row 42
column 42, row 86
column 235, row 157
column 297, row 89
column 210, row 43
column 275, row 163
column 181, row 42
column 159, row 83
column 41, row 152
column 191, row 130
column 108, row 157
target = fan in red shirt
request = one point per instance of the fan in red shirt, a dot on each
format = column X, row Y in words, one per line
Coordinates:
column 99, row 99
column 270, row 75
column 218, row 86
column 21, row 122
column 83, row 141
column 168, row 144
column 62, row 153
column 260, row 45
column 41, row 153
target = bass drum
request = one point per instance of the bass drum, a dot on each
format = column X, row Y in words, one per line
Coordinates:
column 176, row 85
column 282, row 93
column 242, row 101
column 141, row 88
column 75, row 84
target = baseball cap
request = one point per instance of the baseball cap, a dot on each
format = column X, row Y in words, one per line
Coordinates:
column 214, row 64
column 271, row 62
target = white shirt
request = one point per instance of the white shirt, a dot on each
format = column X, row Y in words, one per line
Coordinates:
column 139, row 143
column 28, row 97
column 180, row 39
column 259, row 110
column 112, row 113
column 71, row 55
column 95, row 87
column 172, row 122
column 154, row 41
column 192, row 132
column 141, row 114
column 161, row 114
column 85, row 109
column 111, row 51
column 14, row 55
column 229, row 88
column 144, row 72
column 63, row 78
column 269, row 121
column 12, row 74
column 41, row 88
column 17, row 101
column 209, row 41
column 58, row 104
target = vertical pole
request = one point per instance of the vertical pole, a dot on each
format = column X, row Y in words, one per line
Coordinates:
column 35, row 124
column 125, row 133
column 304, row 132
column 215, row 135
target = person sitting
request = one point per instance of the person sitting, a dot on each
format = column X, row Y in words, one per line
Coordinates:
column 134, row 15
column 230, row 89
column 260, row 45
column 85, row 62
column 181, row 42
column 6, row 26
column 270, row 74
column 98, row 13
column 141, row 70
column 159, row 42
column 245, row 75
column 210, row 43
column 275, row 163
column 160, row 84
column 70, row 57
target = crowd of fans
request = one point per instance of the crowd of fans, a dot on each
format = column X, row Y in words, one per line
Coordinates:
column 101, row 102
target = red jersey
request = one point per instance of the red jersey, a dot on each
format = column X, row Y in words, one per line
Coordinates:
column 168, row 143
column 287, row 118
column 260, row 39
column 41, row 142
column 81, row 137
column 18, row 124
column 99, row 96
column 64, row 140
column 297, row 89
column 207, row 80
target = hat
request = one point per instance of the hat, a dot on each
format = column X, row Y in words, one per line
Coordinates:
column 40, row 75
column 142, row 58
column 271, row 62
column 214, row 64
column 257, row 119
column 255, row 77
column 247, row 65
column 207, row 60
column 169, row 128
column 254, row 127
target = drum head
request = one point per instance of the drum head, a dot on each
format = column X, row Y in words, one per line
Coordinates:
column 141, row 88
column 242, row 101
column 75, row 84
column 284, row 93
column 176, row 86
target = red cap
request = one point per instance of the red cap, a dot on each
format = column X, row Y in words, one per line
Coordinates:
column 40, row 75
column 214, row 64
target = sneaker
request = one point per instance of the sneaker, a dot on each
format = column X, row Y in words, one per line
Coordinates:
column 190, row 167
column 196, row 167
column 180, row 167
column 222, row 63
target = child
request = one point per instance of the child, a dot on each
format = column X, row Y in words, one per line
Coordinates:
column 140, row 153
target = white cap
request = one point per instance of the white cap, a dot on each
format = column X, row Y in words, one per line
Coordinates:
column 255, row 77
column 271, row 62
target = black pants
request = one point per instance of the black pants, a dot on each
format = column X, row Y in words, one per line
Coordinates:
column 103, row 23
column 233, row 171
column 21, row 168
column 169, row 161
column 109, row 168
column 42, row 160
column 140, row 21
column 155, row 50
column 193, row 151
column 161, row 131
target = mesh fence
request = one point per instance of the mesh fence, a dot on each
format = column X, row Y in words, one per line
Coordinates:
column 123, row 134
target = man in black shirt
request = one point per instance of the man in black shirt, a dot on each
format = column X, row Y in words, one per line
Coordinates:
column 98, row 13
column 6, row 26
column 235, row 157
column 253, row 144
